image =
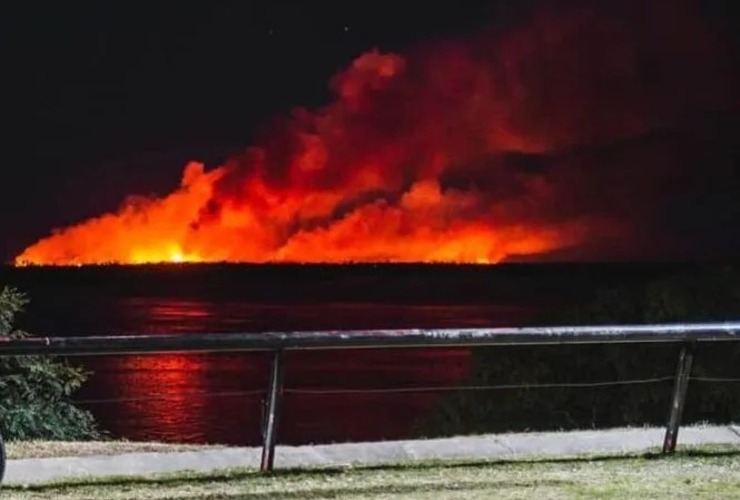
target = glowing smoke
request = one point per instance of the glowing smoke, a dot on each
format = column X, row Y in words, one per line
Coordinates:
column 549, row 135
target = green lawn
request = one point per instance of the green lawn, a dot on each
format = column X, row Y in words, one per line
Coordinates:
column 706, row 472
column 46, row 449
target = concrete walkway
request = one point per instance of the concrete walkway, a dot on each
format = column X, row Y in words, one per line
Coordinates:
column 30, row 471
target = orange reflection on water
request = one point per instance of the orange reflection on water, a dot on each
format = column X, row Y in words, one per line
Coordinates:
column 162, row 390
column 181, row 397
column 168, row 315
column 217, row 398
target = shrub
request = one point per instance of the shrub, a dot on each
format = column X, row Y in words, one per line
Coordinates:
column 36, row 390
column 703, row 295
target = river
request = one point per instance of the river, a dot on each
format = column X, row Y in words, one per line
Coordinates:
column 216, row 398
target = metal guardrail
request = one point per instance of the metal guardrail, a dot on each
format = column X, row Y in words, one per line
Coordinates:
column 279, row 342
column 345, row 339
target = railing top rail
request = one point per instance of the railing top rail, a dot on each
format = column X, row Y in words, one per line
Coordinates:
column 345, row 339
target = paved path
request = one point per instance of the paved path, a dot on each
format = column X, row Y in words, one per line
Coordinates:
column 28, row 471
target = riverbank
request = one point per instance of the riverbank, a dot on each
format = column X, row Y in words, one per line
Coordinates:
column 487, row 447
column 706, row 472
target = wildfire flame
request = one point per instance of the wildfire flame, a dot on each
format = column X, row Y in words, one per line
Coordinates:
column 452, row 153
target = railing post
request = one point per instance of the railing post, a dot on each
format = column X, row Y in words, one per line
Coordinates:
column 2, row 459
column 273, row 412
column 680, row 386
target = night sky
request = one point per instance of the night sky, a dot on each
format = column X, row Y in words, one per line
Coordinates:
column 115, row 97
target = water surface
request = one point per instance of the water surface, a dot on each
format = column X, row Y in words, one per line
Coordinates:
column 217, row 398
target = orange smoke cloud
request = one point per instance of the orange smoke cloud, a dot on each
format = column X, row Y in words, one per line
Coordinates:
column 452, row 153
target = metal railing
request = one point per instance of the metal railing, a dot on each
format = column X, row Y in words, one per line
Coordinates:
column 688, row 335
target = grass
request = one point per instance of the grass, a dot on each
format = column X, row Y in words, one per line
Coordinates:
column 46, row 449
column 700, row 473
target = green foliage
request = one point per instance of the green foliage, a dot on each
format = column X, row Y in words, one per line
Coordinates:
column 35, row 401
column 704, row 295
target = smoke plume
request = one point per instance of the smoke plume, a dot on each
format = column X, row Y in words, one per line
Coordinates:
column 575, row 131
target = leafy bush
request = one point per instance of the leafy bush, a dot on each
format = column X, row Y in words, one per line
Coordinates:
column 705, row 295
column 35, row 401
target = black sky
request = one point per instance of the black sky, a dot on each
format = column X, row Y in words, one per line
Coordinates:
column 113, row 98
column 117, row 96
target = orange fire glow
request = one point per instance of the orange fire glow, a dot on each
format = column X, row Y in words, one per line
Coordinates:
column 419, row 157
